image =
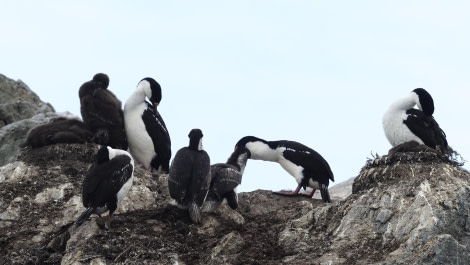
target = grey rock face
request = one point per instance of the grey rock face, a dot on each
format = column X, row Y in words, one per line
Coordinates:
column 412, row 207
column 341, row 190
column 18, row 102
column 20, row 110
column 409, row 208
column 13, row 135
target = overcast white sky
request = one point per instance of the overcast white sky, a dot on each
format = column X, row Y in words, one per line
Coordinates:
column 318, row 72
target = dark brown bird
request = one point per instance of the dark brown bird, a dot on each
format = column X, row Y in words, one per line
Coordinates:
column 102, row 112
column 59, row 130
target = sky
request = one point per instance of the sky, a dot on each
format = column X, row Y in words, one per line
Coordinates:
column 321, row 73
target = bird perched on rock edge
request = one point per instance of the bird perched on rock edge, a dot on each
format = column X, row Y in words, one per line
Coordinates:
column 189, row 178
column 102, row 113
column 225, row 177
column 107, row 182
column 307, row 166
column 147, row 135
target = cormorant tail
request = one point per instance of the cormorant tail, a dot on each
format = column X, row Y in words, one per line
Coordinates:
column 325, row 195
column 194, row 212
column 84, row 216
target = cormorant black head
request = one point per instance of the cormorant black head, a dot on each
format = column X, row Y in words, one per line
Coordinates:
column 241, row 150
column 100, row 81
column 103, row 155
column 425, row 101
column 247, row 139
column 245, row 150
column 195, row 136
column 156, row 91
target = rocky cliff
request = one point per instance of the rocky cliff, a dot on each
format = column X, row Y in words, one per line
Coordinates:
column 20, row 110
column 18, row 102
column 405, row 208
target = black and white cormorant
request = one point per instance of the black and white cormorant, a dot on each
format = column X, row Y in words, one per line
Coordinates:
column 307, row 166
column 189, row 178
column 403, row 123
column 107, row 182
column 102, row 112
column 147, row 135
column 225, row 179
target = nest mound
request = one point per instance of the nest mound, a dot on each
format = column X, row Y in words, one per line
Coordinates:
column 402, row 163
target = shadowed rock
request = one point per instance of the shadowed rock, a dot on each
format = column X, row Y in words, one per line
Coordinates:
column 18, row 102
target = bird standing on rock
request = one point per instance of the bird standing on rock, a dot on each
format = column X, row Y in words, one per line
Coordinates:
column 189, row 178
column 225, row 179
column 307, row 166
column 107, row 182
column 102, row 113
column 147, row 135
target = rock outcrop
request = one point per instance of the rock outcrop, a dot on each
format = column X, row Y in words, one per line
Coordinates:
column 406, row 208
column 20, row 110
column 18, row 102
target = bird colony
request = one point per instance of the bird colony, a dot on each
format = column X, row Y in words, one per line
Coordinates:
column 136, row 135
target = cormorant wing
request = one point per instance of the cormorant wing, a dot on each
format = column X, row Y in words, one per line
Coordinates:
column 310, row 160
column 180, row 174
column 120, row 170
column 158, row 132
column 90, row 183
column 103, row 181
column 225, row 178
column 426, row 128
column 201, row 177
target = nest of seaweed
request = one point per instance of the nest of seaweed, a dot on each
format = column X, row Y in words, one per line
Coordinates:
column 395, row 166
column 413, row 153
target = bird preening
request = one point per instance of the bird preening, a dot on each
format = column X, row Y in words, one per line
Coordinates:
column 147, row 135
column 403, row 123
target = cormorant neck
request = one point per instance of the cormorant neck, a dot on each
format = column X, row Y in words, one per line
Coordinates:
column 238, row 160
column 136, row 98
column 262, row 151
column 195, row 144
column 241, row 162
column 405, row 103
